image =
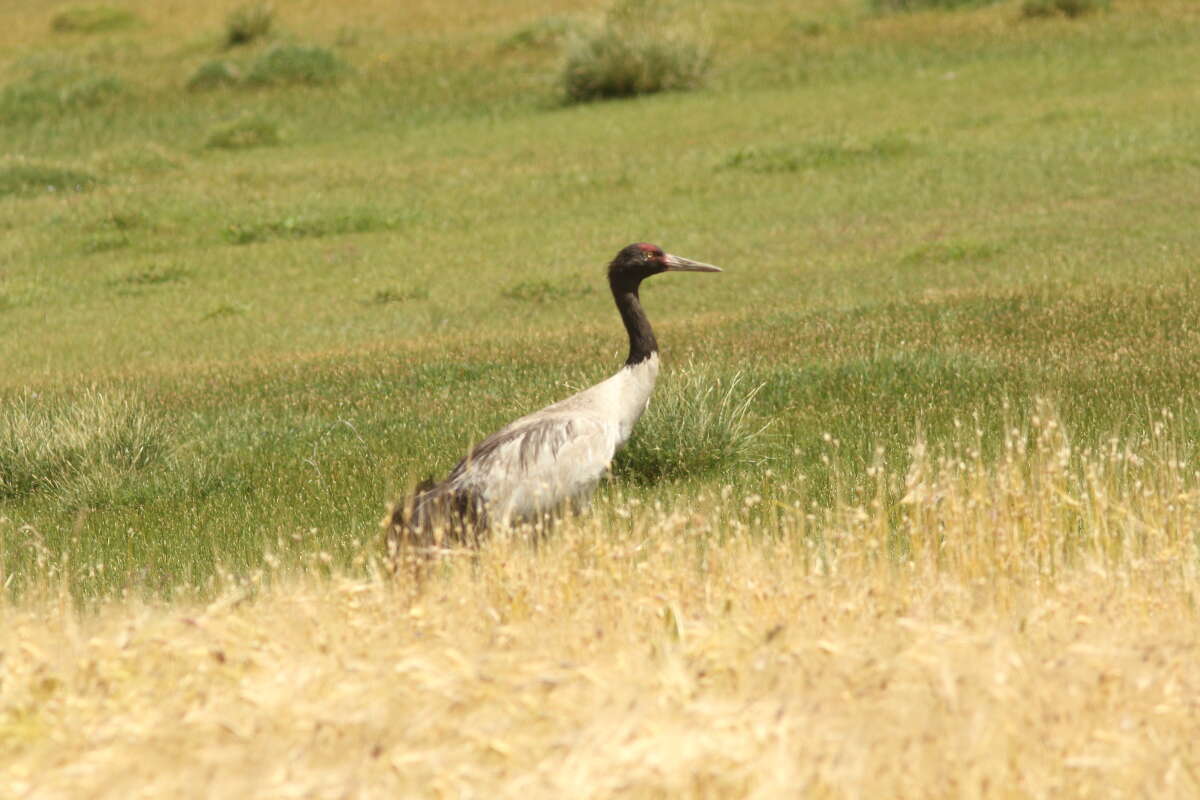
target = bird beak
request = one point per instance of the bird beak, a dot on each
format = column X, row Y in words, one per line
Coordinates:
column 680, row 264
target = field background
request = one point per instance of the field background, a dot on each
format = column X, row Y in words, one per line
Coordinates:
column 960, row 303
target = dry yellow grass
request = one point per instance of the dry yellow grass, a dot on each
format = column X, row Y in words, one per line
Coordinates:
column 1026, row 629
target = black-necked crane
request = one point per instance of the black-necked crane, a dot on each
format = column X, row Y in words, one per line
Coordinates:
column 552, row 458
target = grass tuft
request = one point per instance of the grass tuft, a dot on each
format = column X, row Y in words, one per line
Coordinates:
column 153, row 275
column 93, row 19
column 127, row 219
column 809, row 28
column 386, row 296
column 25, row 102
column 248, row 23
column 954, row 252
column 697, row 424
column 640, row 49
column 79, row 450
column 94, row 92
column 25, row 178
column 225, row 310
column 887, row 6
column 53, row 95
column 818, row 155
column 244, row 133
column 311, row 227
column 292, row 64
column 1066, row 8
column 105, row 243
column 543, row 291
column 215, row 74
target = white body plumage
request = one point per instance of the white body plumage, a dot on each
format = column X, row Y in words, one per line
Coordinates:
column 556, row 456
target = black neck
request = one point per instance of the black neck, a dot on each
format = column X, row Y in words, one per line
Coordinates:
column 642, row 344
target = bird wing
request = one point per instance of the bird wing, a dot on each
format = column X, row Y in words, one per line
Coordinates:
column 537, row 463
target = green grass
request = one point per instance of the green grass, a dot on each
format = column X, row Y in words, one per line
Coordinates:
column 57, row 94
column 153, row 276
column 543, row 291
column 93, row 19
column 818, row 155
column 23, row 178
column 301, row 226
column 244, row 132
column 296, row 64
column 928, row 222
column 214, row 74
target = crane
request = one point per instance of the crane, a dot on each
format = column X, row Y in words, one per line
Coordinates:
column 553, row 458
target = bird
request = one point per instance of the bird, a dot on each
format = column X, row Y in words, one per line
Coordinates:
column 553, row 458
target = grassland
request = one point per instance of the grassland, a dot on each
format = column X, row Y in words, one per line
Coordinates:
column 238, row 314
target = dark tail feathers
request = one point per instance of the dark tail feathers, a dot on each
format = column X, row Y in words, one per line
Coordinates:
column 433, row 517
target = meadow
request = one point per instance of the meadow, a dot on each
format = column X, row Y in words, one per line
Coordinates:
column 915, row 509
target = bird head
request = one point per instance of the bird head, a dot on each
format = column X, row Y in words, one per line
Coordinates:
column 640, row 260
